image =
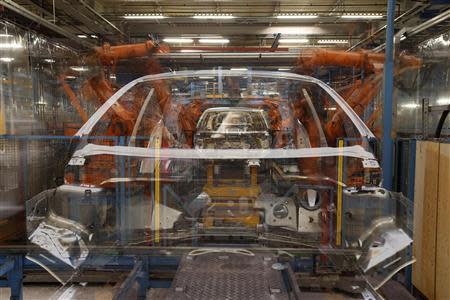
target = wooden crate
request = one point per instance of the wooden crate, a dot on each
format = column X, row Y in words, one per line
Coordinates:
column 443, row 226
column 431, row 272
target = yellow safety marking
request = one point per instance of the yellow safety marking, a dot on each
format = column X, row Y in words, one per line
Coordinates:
column 2, row 120
column 339, row 197
column 157, row 188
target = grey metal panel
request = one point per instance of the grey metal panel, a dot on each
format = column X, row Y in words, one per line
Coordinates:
column 228, row 276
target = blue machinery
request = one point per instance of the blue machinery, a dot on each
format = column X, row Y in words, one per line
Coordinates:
column 12, row 268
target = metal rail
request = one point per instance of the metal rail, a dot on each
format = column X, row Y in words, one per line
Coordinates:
column 230, row 59
column 413, row 31
column 431, row 22
column 374, row 35
column 122, row 288
column 92, row 10
column 227, row 55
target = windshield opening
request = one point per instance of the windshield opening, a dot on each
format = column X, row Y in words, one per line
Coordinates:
column 292, row 113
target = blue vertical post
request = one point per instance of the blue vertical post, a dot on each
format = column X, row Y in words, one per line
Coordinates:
column 124, row 205
column 387, row 159
column 143, row 279
column 15, row 278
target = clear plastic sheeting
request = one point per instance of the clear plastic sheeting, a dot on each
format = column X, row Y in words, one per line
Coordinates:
column 31, row 98
column 243, row 173
column 425, row 88
column 151, row 173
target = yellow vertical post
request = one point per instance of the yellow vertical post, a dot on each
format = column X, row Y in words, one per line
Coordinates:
column 2, row 121
column 210, row 175
column 157, row 188
column 339, row 196
column 253, row 176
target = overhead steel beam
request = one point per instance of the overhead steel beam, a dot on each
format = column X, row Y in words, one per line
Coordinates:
column 78, row 13
column 412, row 31
column 378, row 32
column 276, row 41
column 11, row 5
column 397, row 38
column 238, row 29
column 92, row 10
column 37, row 7
column 228, row 59
column 431, row 22
column 228, row 55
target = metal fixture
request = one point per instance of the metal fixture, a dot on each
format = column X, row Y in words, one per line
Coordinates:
column 417, row 8
column 213, row 41
column 293, row 41
column 214, row 16
column 297, row 16
column 144, row 16
column 178, row 40
column 362, row 16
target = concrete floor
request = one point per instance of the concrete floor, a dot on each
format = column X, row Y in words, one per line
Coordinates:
column 56, row 292
column 105, row 292
column 392, row 290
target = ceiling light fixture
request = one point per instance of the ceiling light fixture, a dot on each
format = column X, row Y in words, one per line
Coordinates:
column 82, row 36
column 294, row 16
column 5, row 35
column 79, row 69
column 178, row 40
column 410, row 105
column 238, row 69
column 10, row 45
column 284, row 69
column 214, row 16
column 362, row 16
column 144, row 16
column 191, row 51
column 214, row 41
column 443, row 101
column 293, row 41
column 6, row 59
column 332, row 42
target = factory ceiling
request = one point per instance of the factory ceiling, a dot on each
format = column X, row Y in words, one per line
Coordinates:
column 255, row 24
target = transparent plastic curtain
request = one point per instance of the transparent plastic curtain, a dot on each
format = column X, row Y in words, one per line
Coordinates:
column 32, row 101
column 431, row 82
column 185, row 161
column 31, row 104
